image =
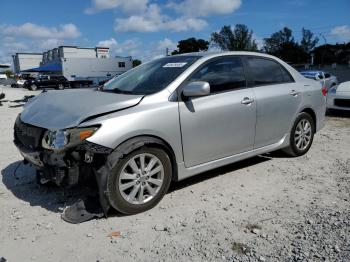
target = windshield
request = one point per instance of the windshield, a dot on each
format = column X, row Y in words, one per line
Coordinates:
column 151, row 77
column 42, row 77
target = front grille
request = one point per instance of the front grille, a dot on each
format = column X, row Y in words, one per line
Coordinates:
column 342, row 102
column 28, row 135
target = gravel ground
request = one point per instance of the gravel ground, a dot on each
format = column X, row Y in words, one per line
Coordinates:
column 268, row 208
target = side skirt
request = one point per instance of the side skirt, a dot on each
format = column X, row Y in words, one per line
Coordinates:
column 184, row 172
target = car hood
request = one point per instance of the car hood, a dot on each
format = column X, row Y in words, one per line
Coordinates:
column 68, row 108
column 343, row 87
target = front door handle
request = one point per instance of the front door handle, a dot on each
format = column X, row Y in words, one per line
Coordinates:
column 294, row 93
column 247, row 101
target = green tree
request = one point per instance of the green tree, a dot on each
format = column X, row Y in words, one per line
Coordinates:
column 136, row 62
column 308, row 41
column 273, row 44
column 239, row 38
column 191, row 45
column 8, row 73
column 283, row 45
column 328, row 54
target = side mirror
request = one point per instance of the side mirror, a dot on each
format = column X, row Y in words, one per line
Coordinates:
column 2, row 96
column 198, row 88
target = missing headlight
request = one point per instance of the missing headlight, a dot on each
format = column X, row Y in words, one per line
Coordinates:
column 55, row 139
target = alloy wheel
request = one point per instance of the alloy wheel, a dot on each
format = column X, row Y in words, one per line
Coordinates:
column 303, row 134
column 141, row 178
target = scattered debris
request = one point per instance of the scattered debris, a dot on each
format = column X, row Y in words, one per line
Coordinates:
column 114, row 234
column 254, row 228
column 83, row 210
column 23, row 100
column 160, row 228
column 240, row 248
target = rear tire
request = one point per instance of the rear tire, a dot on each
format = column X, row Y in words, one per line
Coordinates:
column 149, row 189
column 301, row 135
column 33, row 87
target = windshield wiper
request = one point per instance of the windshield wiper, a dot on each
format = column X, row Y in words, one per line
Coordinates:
column 126, row 92
column 117, row 90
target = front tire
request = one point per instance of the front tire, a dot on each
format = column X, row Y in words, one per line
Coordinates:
column 60, row 87
column 140, row 180
column 301, row 135
column 33, row 87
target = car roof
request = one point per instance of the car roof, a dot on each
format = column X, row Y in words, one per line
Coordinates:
column 207, row 54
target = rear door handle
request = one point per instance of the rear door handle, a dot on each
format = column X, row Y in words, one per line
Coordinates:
column 247, row 101
column 294, row 93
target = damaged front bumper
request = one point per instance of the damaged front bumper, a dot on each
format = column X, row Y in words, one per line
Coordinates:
column 66, row 166
column 78, row 164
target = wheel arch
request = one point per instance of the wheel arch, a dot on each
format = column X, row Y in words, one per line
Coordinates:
column 136, row 142
column 312, row 113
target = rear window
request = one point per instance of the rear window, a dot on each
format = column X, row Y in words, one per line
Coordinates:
column 267, row 72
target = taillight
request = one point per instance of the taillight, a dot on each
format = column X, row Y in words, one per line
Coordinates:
column 324, row 91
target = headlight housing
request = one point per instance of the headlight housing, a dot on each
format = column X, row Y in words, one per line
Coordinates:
column 63, row 139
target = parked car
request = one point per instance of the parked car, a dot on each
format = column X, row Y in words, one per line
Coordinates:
column 44, row 81
column 167, row 120
column 101, row 83
column 326, row 79
column 338, row 98
column 3, row 76
column 19, row 83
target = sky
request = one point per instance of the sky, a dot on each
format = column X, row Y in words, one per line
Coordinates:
column 145, row 28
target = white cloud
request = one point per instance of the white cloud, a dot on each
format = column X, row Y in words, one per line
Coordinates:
column 11, row 46
column 203, row 8
column 30, row 30
column 166, row 43
column 341, row 33
column 108, row 43
column 185, row 24
column 259, row 41
column 127, row 6
column 127, row 48
column 153, row 20
column 138, row 49
column 51, row 43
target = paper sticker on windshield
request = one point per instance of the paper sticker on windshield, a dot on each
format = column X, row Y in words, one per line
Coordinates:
column 174, row 65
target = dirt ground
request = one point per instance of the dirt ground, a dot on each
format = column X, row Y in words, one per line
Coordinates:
column 268, row 208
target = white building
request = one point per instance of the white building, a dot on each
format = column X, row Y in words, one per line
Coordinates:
column 24, row 61
column 56, row 54
column 79, row 63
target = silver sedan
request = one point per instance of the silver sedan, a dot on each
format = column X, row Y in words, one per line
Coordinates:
column 167, row 120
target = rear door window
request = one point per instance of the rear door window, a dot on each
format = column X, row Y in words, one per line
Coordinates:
column 266, row 72
column 222, row 74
